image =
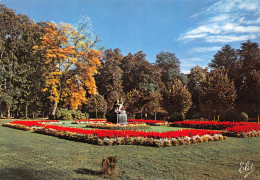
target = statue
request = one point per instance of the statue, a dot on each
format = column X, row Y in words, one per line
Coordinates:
column 117, row 115
column 118, row 106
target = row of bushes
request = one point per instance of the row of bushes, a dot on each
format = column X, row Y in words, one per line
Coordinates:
column 228, row 115
column 69, row 115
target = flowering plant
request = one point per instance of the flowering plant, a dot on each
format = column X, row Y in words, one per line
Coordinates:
column 116, row 137
column 89, row 121
column 149, row 122
column 238, row 129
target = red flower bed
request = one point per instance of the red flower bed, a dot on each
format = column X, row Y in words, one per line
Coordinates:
column 229, row 128
column 98, row 136
column 207, row 124
column 249, row 130
column 35, row 123
column 149, row 122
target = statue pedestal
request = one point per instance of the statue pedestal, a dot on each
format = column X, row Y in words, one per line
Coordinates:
column 120, row 118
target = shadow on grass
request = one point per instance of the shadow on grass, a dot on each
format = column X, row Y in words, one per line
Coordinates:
column 18, row 173
column 87, row 171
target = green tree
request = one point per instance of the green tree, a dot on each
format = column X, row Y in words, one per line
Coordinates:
column 132, row 102
column 154, row 105
column 217, row 94
column 248, row 93
column 249, row 55
column 139, row 74
column 225, row 58
column 170, row 66
column 96, row 103
column 196, row 76
column 21, row 69
column 177, row 98
column 109, row 77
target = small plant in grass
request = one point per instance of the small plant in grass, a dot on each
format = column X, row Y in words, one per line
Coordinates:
column 108, row 165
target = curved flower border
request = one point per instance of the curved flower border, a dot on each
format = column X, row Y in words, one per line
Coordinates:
column 123, row 137
column 233, row 129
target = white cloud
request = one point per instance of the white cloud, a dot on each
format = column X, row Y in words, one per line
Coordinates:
column 206, row 49
column 227, row 21
column 220, row 17
column 229, row 38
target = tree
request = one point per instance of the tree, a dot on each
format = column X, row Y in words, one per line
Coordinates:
column 217, row 94
column 154, row 105
column 139, row 74
column 196, row 76
column 225, row 58
column 133, row 102
column 170, row 66
column 177, row 98
column 249, row 55
column 109, row 77
column 71, row 64
column 20, row 69
column 9, row 35
column 248, row 92
column 96, row 103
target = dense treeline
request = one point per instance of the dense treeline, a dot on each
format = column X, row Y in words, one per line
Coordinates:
column 45, row 67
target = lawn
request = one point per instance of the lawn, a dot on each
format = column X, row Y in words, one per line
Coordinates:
column 152, row 128
column 26, row 155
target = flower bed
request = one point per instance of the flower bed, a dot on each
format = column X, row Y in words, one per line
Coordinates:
column 149, row 122
column 207, row 124
column 235, row 129
column 89, row 121
column 249, row 130
column 108, row 125
column 124, row 137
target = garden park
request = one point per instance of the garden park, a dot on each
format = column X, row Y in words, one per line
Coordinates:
column 68, row 105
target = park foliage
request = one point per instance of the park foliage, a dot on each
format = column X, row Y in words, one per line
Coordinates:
column 53, row 69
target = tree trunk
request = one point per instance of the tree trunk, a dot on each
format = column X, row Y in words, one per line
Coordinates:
column 26, row 111
column 54, row 108
column 17, row 114
column 96, row 114
column 8, row 114
column 155, row 116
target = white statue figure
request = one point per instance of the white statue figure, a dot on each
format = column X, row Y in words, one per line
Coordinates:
column 118, row 106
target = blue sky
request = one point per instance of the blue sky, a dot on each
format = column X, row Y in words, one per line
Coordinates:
column 192, row 29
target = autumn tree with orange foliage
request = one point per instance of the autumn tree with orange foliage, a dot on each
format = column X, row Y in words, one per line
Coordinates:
column 71, row 62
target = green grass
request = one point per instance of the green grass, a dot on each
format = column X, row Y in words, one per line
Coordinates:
column 26, row 155
column 153, row 128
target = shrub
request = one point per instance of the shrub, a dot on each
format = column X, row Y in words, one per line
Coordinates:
column 79, row 115
column 177, row 117
column 69, row 115
column 64, row 114
column 230, row 115
column 243, row 117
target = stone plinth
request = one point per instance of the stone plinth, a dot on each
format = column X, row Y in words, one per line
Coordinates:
column 120, row 118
